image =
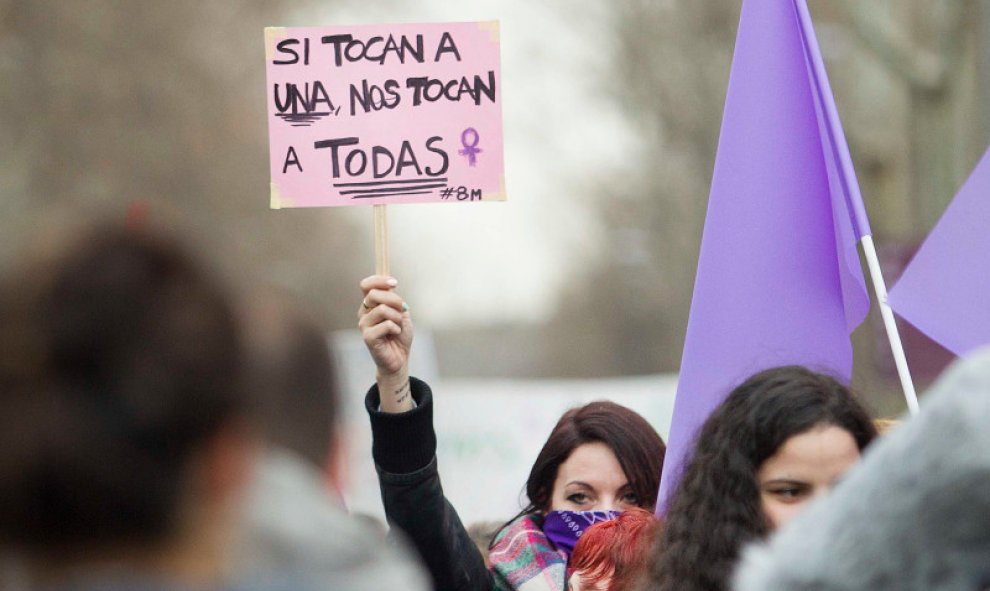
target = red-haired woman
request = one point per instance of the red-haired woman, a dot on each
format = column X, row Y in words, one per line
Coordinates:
column 612, row 555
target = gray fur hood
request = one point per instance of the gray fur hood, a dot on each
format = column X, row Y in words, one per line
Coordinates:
column 913, row 515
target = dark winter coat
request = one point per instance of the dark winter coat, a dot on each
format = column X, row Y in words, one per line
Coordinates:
column 404, row 448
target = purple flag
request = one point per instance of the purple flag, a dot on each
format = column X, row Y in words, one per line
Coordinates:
column 945, row 289
column 779, row 280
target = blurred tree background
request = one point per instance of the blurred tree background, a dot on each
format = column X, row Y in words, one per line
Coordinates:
column 109, row 106
column 157, row 109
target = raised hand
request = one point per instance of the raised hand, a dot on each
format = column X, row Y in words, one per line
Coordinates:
column 387, row 329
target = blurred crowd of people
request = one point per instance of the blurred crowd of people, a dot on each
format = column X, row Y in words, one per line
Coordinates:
column 159, row 431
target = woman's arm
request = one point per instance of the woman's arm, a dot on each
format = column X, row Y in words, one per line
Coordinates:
column 404, row 447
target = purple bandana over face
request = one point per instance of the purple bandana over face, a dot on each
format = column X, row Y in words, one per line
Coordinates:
column 563, row 528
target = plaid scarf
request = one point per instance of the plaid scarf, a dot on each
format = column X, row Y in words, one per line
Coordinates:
column 523, row 559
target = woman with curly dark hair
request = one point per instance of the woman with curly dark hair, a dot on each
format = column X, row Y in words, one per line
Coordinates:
column 780, row 440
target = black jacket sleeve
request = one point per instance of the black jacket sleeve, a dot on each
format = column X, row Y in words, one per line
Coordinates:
column 404, row 448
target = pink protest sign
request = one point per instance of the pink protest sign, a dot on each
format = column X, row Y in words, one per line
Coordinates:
column 378, row 114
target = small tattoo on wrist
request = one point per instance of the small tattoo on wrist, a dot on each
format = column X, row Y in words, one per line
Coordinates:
column 402, row 393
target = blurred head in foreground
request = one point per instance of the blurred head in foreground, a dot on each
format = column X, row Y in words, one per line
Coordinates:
column 292, row 378
column 612, row 555
column 781, row 439
column 123, row 437
column 295, row 528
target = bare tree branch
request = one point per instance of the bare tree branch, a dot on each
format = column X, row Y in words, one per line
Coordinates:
column 924, row 69
column 918, row 66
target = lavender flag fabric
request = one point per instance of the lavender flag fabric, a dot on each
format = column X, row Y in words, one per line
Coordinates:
column 779, row 280
column 945, row 289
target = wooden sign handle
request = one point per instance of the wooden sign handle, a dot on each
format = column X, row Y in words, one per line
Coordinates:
column 381, row 241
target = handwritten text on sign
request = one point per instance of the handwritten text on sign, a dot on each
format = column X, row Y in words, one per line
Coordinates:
column 384, row 114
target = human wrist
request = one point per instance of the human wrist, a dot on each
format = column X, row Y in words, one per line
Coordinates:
column 403, row 442
column 394, row 391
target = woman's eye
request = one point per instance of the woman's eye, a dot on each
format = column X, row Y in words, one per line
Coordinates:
column 790, row 493
column 630, row 499
column 578, row 498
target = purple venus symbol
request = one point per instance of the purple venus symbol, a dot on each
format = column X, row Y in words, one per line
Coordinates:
column 470, row 139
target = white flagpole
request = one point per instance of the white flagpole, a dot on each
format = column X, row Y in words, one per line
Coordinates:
column 893, row 335
column 844, row 161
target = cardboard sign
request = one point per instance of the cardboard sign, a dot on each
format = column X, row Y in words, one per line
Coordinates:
column 380, row 114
